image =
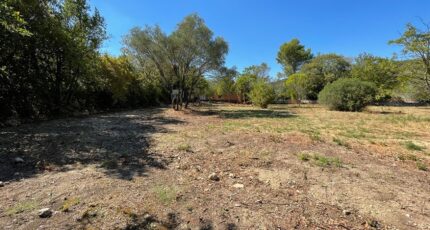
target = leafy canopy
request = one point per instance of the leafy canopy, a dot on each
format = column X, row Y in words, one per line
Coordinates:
column 292, row 55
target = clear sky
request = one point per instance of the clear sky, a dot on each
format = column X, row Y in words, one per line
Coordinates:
column 255, row 29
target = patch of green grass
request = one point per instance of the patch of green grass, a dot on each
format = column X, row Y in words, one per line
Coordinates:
column 305, row 156
column 422, row 166
column 341, row 142
column 165, row 194
column 411, row 157
column 67, row 204
column 24, row 206
column 322, row 161
column 412, row 146
column 312, row 133
column 325, row 161
column 184, row 147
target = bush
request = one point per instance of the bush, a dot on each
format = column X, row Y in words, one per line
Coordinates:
column 262, row 94
column 347, row 94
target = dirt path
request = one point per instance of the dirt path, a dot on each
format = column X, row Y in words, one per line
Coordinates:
column 149, row 169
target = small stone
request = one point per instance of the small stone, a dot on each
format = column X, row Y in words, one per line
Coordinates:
column 18, row 160
column 231, row 175
column 237, row 205
column 1, row 184
column 45, row 213
column 259, row 201
column 238, row 186
column 214, row 177
column 147, row 217
column 184, row 226
column 346, row 212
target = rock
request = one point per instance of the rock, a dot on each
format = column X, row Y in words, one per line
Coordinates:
column 346, row 212
column 231, row 175
column 45, row 213
column 237, row 205
column 214, row 177
column 1, row 184
column 18, row 160
column 238, row 186
column 259, row 201
column 184, row 226
column 374, row 224
column 147, row 217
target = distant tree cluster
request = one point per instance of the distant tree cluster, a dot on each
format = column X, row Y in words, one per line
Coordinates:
column 51, row 65
column 308, row 76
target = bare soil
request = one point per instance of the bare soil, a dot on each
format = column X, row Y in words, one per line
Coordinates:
column 150, row 168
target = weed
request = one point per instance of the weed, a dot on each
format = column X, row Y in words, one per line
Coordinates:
column 422, row 166
column 67, row 204
column 305, row 156
column 412, row 146
column 24, row 206
column 411, row 157
column 184, row 147
column 165, row 194
column 325, row 161
column 322, row 161
column 341, row 142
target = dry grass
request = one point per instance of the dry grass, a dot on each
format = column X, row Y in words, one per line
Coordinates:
column 297, row 167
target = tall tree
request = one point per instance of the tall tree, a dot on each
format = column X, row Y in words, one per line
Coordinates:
column 249, row 76
column 383, row 72
column 416, row 44
column 292, row 55
column 47, row 72
column 224, row 81
column 324, row 69
column 183, row 57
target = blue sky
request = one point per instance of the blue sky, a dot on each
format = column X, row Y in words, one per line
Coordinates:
column 255, row 29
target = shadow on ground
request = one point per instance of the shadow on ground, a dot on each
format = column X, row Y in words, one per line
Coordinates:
column 117, row 143
column 245, row 113
column 173, row 222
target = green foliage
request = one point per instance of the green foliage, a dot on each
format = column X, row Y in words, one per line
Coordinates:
column 181, row 58
column 347, row 94
column 382, row 72
column 322, row 161
column 412, row 146
column 54, row 70
column 262, row 93
column 292, row 55
column 325, row 161
column 224, row 81
column 322, row 70
column 245, row 82
column 296, row 85
column 128, row 86
column 415, row 43
column 12, row 20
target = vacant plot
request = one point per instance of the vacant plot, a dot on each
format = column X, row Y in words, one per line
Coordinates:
column 220, row 167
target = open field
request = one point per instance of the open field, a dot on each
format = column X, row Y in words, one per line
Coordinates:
column 286, row 167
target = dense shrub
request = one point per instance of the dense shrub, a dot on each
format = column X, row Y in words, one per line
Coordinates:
column 262, row 94
column 348, row 94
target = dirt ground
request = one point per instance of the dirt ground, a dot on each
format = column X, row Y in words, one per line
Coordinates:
column 220, row 167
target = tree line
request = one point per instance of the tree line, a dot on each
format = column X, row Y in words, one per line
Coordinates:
column 51, row 65
column 341, row 83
